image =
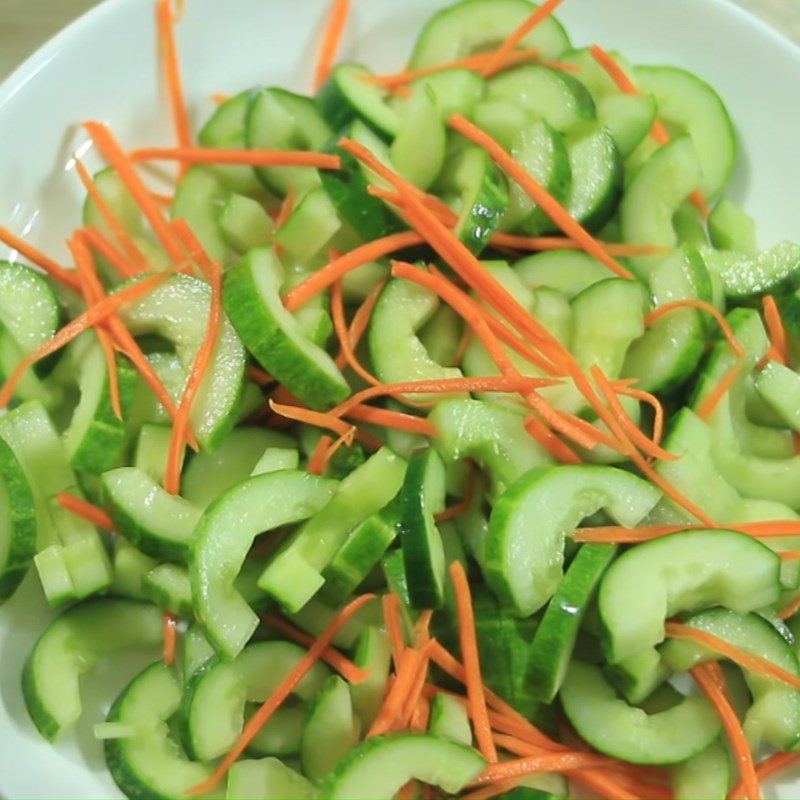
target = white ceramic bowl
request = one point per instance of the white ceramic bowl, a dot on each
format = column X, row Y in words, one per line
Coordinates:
column 104, row 66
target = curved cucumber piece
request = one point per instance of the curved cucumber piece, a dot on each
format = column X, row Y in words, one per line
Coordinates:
column 71, row 646
column 272, row 334
column 160, row 524
column 244, row 223
column 423, row 496
column 681, row 572
column 653, row 196
column 732, row 228
column 691, row 105
column 149, row 765
column 177, row 310
column 269, row 779
column 311, row 226
column 456, row 90
column 613, row 727
column 373, row 653
column 525, row 570
column 420, row 143
column 628, row 118
column 554, row 641
column 449, row 718
column 167, row 586
column 568, row 271
column 224, row 537
column 779, row 386
column 745, row 276
column 774, row 716
column 708, row 774
column 378, row 767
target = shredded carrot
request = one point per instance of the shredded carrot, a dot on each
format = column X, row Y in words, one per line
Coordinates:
column 318, row 460
column 37, row 257
column 320, row 419
column 410, row 661
column 408, row 792
column 789, row 555
column 86, row 510
column 132, row 252
column 337, row 20
column 752, row 663
column 109, row 252
column 700, row 305
column 220, row 97
column 714, row 397
column 360, row 321
column 501, row 787
column 733, row 729
column 105, row 140
column 338, row 268
column 221, row 155
column 393, row 419
column 169, row 53
column 560, row 450
column 472, row 664
column 421, row 716
column 767, row 767
column 777, row 333
column 565, row 762
column 343, row 665
column 161, row 197
column 653, row 402
column 537, row 192
column 535, row 18
column 170, row 637
column 790, row 609
column 343, row 335
column 259, row 376
column 287, row 206
column 282, row 692
column 463, row 344
column 463, row 505
column 616, row 534
column 391, row 616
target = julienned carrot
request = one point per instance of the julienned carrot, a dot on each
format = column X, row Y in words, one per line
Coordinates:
column 343, row 335
column 752, row 663
column 733, row 729
column 615, row 534
column 472, row 665
column 767, row 767
column 393, row 419
column 562, row 243
column 390, row 604
column 86, row 510
column 463, row 505
column 536, row 17
column 700, row 305
column 169, row 53
column 653, row 402
column 259, row 376
column 170, row 637
column 414, row 695
column 221, row 155
column 777, row 333
column 320, row 419
column 316, row 464
column 115, row 225
column 387, row 717
column 343, row 665
column 567, row 762
column 337, row 19
column 338, row 268
column 537, row 192
column 360, row 321
column 713, row 399
column 109, row 252
column 282, row 692
column 220, row 97
column 285, row 211
column 421, row 717
column 37, row 257
column 790, row 609
column 114, row 154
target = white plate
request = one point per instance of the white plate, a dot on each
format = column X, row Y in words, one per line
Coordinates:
column 104, row 67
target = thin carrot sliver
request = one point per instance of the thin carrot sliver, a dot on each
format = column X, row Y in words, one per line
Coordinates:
column 334, row 28
column 790, row 609
column 221, row 155
column 282, row 692
column 393, row 419
column 733, row 729
column 414, row 695
column 360, row 321
column 343, row 665
column 561, row 451
column 320, row 419
column 37, row 257
column 390, row 603
column 410, row 661
column 565, row 762
column 421, row 716
column 109, row 251
column 777, row 333
column 170, row 637
column 562, row 243
column 88, row 511
column 287, row 206
column 653, row 402
column 616, row 534
column 700, row 305
column 713, row 399
column 343, row 335
column 220, row 97
column 318, row 460
column 767, row 767
column 463, row 505
column 472, row 665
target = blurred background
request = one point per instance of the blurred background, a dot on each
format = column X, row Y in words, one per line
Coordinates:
column 26, row 24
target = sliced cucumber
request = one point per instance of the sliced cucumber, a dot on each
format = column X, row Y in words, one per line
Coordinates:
column 196, row 651
column 311, row 226
column 449, row 718
column 628, row 118
column 252, row 300
column 373, row 653
column 71, row 646
column 779, row 386
column 501, row 119
column 568, row 271
column 130, row 568
column 420, row 143
column 244, row 223
column 456, row 90
column 167, row 586
column 731, row 228
column 747, row 277
column 708, row 775
column 268, row 779
column 152, row 450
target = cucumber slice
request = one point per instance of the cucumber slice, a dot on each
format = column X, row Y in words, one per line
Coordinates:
column 423, row 496
column 167, row 587
column 150, row 764
column 456, row 90
column 331, row 730
column 281, row 120
column 152, row 450
column 525, row 571
column 209, row 475
column 774, row 717
column 449, row 718
column 253, row 303
column 420, row 143
column 493, row 435
column 682, row 572
column 373, row 653
column 130, row 568
column 269, row 779
column 568, row 271
column 653, row 196
column 310, row 227
column 223, row 539
column 708, row 774
column 71, row 646
column 160, row 524
column 177, row 311
column 380, row 766
column 613, row 727
column 244, row 223
column 592, row 75
column 554, row 641
column 779, row 386
column 731, row 228
column 471, row 26
column 501, row 119
column 689, row 104
column 748, row 277
column 275, row 459
column 628, row 118
column 196, row 651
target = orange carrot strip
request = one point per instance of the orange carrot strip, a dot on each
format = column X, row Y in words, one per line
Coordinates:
column 169, row 53
column 790, row 609
column 752, row 663
column 86, row 510
column 536, row 17
column 109, row 252
column 287, row 206
column 391, row 616
column 421, row 716
column 700, row 305
column 414, row 696
column 320, row 419
column 110, row 148
column 115, row 225
column 282, row 692
column 410, row 661
column 767, row 767
column 258, row 375
column 161, row 197
column 393, row 419
column 653, row 402
column 330, row 42
column 501, row 787
column 170, row 637
column 220, row 97
column 733, row 729
column 617, row 534
column 561, row 451
column 338, row 268
column 537, row 192
column 472, row 665
column 342, row 333
column 558, row 243
column 343, row 665
column 360, row 321
column 565, row 762
column 318, row 460
column 465, row 503
column 777, row 333
column 789, row 555
column 713, row 399
column 37, row 257
column 221, row 155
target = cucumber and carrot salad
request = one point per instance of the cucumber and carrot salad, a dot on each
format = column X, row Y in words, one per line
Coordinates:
column 436, row 433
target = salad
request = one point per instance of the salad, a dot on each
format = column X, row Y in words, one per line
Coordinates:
column 435, row 434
